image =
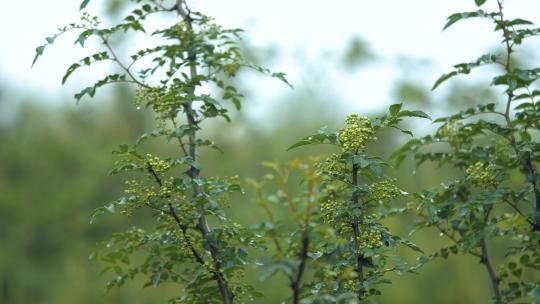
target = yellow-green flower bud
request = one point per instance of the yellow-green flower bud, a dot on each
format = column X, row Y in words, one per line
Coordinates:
column 357, row 134
column 482, row 175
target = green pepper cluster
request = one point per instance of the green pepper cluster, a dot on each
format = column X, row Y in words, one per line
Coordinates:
column 332, row 165
column 162, row 101
column 137, row 193
column 158, row 165
column 136, row 188
column 369, row 238
column 166, row 190
column 482, row 175
column 452, row 133
column 384, row 190
column 357, row 134
column 332, row 215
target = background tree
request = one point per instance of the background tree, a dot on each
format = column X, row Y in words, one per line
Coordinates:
column 491, row 209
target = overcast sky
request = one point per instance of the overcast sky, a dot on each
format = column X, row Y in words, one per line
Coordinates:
column 307, row 27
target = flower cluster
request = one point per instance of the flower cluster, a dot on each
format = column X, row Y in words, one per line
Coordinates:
column 330, row 215
column 167, row 189
column 369, row 238
column 92, row 21
column 138, row 190
column 357, row 134
column 482, row 175
column 384, row 190
column 451, row 131
column 137, row 194
column 162, row 102
column 158, row 165
column 332, row 165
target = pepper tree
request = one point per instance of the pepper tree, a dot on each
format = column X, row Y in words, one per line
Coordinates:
column 341, row 239
column 172, row 79
column 491, row 210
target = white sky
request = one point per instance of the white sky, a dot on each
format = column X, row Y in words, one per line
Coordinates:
column 307, row 27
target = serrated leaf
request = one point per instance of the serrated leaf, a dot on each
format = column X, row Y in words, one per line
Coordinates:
column 465, row 15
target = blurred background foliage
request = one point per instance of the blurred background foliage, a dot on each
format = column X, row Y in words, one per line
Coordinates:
column 54, row 159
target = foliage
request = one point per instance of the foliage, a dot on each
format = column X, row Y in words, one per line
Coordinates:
column 334, row 246
column 181, row 247
column 341, row 239
column 494, row 202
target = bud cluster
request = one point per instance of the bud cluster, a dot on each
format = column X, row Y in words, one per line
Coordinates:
column 164, row 107
column 136, row 188
column 369, row 238
column 384, row 190
column 332, row 165
column 357, row 134
column 333, row 214
column 158, row 165
column 451, row 131
column 482, row 175
column 93, row 21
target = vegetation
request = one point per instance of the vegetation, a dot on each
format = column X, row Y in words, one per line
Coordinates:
column 331, row 228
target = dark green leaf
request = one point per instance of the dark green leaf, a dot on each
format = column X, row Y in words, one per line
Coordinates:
column 479, row 2
column 83, row 4
column 417, row 113
column 443, row 78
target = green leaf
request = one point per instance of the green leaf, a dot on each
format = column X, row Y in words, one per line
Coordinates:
column 321, row 137
column 91, row 91
column 157, row 277
column 394, row 109
column 479, row 2
column 300, row 143
column 281, row 76
column 361, row 160
column 83, row 4
column 403, row 130
column 443, row 78
column 83, row 36
column 518, row 21
column 452, row 19
column 39, row 52
column 69, row 71
column 417, row 113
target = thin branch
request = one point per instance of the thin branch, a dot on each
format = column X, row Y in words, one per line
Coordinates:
column 193, row 172
column 172, row 212
column 296, row 283
column 271, row 219
column 180, row 141
column 519, row 211
column 122, row 66
column 495, row 281
column 356, row 230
